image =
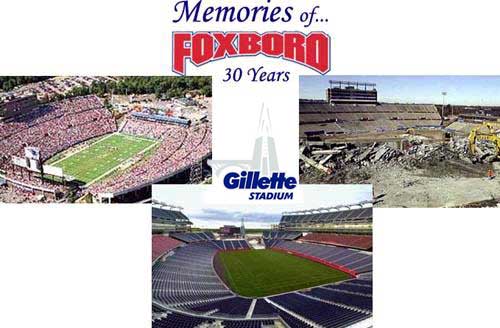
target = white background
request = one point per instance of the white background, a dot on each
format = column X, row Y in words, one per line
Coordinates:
column 75, row 266
column 89, row 266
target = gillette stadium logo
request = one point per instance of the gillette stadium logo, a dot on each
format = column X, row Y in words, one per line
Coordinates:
column 252, row 180
column 311, row 50
column 261, row 174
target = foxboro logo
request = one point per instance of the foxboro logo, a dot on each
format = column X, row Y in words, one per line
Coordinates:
column 260, row 174
column 311, row 50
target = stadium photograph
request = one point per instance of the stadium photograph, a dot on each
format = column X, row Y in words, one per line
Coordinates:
column 290, row 265
column 421, row 141
column 102, row 139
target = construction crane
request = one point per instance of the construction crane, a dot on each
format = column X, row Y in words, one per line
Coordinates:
column 491, row 135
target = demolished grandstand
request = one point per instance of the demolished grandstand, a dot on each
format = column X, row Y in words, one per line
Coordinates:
column 191, row 287
column 412, row 154
column 81, row 150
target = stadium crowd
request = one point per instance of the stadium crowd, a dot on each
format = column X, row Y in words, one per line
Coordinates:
column 145, row 128
column 180, row 148
column 58, row 126
column 55, row 127
column 11, row 194
column 52, row 128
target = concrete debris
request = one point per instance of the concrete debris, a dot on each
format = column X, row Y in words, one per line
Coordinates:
column 326, row 152
column 410, row 153
column 313, row 163
column 408, row 169
column 326, row 159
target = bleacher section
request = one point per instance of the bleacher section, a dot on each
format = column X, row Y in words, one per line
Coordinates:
column 52, row 128
column 188, row 278
column 364, row 242
column 192, row 237
column 271, row 242
column 55, row 127
column 293, row 321
column 320, row 312
column 281, row 235
column 320, row 118
column 188, row 293
column 263, row 309
column 340, row 296
column 162, row 244
column 231, row 245
column 353, row 260
column 171, row 319
column 233, row 306
column 327, row 220
column 249, row 324
column 357, row 286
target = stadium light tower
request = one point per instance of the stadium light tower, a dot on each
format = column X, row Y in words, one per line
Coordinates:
column 242, row 228
column 443, row 93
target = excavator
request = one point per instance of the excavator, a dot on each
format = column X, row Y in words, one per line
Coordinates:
column 479, row 133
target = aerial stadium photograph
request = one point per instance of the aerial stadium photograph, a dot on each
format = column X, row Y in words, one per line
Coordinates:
column 102, row 139
column 421, row 141
column 290, row 264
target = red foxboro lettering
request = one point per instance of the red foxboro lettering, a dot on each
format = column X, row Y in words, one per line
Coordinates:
column 311, row 50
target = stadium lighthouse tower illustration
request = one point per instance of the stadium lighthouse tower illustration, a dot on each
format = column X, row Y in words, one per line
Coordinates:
column 264, row 159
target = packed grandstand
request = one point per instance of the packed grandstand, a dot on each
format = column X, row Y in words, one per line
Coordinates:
column 195, row 285
column 85, row 150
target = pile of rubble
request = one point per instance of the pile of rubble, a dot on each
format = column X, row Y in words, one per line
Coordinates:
column 412, row 152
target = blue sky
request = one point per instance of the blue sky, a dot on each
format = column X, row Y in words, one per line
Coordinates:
column 461, row 90
column 195, row 201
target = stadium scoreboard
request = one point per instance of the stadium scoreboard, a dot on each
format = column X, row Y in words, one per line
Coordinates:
column 351, row 92
column 32, row 162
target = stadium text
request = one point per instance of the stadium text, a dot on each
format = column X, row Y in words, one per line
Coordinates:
column 253, row 180
column 311, row 50
column 270, row 195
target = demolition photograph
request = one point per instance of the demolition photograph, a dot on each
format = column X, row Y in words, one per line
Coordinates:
column 421, row 141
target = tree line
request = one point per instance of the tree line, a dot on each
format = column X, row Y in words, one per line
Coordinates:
column 7, row 83
column 161, row 86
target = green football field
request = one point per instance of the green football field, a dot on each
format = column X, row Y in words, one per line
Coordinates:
column 258, row 273
column 102, row 156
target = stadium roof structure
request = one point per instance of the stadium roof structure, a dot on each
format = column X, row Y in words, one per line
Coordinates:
column 168, row 217
column 339, row 84
column 356, row 216
column 330, row 208
column 166, row 205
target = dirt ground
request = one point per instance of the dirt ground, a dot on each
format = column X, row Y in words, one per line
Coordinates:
column 444, row 184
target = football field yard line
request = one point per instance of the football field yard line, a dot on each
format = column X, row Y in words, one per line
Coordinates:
column 125, row 135
column 104, row 156
column 71, row 155
column 114, row 168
